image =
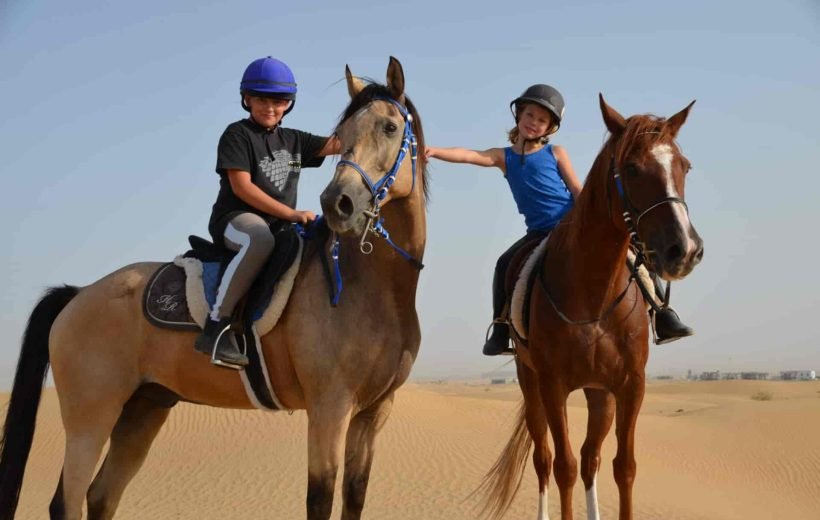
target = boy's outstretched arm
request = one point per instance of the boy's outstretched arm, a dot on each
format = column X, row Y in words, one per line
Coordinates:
column 332, row 147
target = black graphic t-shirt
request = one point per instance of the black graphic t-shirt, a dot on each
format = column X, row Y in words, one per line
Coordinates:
column 274, row 158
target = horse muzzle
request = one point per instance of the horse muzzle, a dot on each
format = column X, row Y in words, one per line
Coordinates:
column 673, row 256
column 344, row 202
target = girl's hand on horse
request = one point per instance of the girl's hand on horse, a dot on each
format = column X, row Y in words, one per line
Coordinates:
column 303, row 217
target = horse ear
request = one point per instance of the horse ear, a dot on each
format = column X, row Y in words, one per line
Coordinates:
column 395, row 80
column 614, row 121
column 354, row 84
column 676, row 121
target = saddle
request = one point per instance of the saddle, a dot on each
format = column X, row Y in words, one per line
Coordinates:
column 518, row 280
column 181, row 293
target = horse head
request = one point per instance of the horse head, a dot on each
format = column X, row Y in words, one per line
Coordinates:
column 647, row 174
column 379, row 134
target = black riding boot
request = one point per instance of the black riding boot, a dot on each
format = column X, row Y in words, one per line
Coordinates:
column 668, row 325
column 226, row 350
column 499, row 341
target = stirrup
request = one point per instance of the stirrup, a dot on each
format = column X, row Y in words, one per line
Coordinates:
column 226, row 364
column 506, row 351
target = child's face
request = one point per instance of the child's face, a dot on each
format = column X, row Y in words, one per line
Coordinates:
column 534, row 121
column 267, row 111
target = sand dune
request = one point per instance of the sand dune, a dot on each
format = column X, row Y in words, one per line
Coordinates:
column 705, row 451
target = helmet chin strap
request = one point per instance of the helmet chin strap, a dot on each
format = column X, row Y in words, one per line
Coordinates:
column 524, row 142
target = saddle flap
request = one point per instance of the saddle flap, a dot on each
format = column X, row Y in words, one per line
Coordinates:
column 520, row 279
column 517, row 263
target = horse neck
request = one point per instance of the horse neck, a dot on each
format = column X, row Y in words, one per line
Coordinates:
column 591, row 248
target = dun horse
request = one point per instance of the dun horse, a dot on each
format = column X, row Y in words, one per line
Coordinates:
column 342, row 365
column 588, row 321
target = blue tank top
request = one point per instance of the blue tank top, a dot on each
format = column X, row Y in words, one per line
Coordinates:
column 537, row 187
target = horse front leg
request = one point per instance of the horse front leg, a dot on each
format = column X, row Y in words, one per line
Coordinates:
column 601, row 410
column 537, row 426
column 554, row 397
column 629, row 400
column 327, row 427
column 359, row 449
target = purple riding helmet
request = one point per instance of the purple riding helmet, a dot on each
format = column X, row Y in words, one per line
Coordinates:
column 268, row 77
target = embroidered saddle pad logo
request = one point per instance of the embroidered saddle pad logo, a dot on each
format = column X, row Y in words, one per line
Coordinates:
column 279, row 169
column 165, row 302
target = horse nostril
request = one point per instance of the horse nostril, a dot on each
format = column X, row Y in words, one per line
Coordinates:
column 673, row 254
column 344, row 205
column 699, row 254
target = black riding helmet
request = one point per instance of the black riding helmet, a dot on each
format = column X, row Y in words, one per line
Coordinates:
column 542, row 95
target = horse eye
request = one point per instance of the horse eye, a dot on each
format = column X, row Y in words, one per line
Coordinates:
column 631, row 170
column 390, row 128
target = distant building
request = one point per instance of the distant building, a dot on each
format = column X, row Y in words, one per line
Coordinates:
column 758, row 376
column 713, row 375
column 798, row 375
column 503, row 380
column 731, row 375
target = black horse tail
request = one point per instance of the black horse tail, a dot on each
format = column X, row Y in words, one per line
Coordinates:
column 21, row 416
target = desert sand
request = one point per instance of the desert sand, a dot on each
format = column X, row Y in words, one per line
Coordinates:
column 705, row 451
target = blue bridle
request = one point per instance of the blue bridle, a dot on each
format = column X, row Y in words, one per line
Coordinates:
column 379, row 190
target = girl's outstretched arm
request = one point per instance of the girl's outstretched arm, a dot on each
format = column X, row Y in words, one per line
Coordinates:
column 566, row 171
column 487, row 158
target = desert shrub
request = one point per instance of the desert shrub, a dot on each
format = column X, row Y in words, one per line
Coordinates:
column 762, row 396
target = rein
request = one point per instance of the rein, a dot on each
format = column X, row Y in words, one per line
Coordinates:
column 379, row 191
column 569, row 320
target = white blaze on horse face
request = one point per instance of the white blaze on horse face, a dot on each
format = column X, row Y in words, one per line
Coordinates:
column 592, row 502
column 664, row 154
column 543, row 514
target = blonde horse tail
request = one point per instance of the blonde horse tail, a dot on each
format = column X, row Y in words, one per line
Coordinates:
column 501, row 483
column 21, row 415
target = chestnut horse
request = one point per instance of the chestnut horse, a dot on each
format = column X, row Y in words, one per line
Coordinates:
column 588, row 320
column 117, row 376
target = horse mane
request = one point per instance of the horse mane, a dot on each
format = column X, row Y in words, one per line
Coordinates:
column 377, row 90
column 655, row 128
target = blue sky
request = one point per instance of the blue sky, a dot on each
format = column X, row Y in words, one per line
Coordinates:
column 111, row 112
